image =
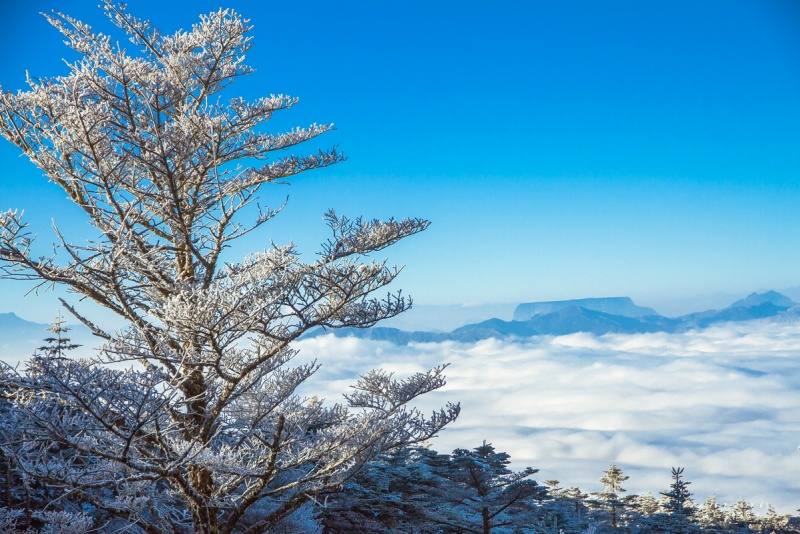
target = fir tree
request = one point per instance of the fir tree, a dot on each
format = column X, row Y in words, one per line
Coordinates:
column 710, row 515
column 481, row 494
column 742, row 515
column 564, row 509
column 390, row 494
column 24, row 495
column 419, row 490
column 678, row 497
column 678, row 502
column 772, row 522
column 612, row 486
column 58, row 344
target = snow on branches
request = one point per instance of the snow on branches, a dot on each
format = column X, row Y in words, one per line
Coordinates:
column 209, row 420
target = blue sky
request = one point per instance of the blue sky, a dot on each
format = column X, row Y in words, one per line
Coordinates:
column 561, row 149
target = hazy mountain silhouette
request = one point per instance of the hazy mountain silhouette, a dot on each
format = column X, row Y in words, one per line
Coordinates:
column 11, row 322
column 19, row 338
column 587, row 315
column 623, row 306
column 770, row 297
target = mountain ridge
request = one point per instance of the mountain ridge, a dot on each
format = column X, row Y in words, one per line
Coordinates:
column 553, row 318
column 20, row 338
column 568, row 317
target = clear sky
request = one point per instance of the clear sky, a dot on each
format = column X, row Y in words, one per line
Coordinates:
column 561, row 149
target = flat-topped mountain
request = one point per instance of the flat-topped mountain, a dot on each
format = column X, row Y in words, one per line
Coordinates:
column 623, row 306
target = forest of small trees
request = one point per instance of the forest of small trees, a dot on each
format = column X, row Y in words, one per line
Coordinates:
column 189, row 419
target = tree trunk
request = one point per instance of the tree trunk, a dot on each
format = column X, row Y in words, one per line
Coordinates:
column 204, row 516
column 200, row 478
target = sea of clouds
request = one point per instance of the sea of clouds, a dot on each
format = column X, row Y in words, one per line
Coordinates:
column 723, row 403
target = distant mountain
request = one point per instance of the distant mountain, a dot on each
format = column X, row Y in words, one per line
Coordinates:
column 566, row 321
column 770, row 297
column 14, row 327
column 435, row 318
column 568, row 317
column 19, row 338
column 623, row 306
column 755, row 306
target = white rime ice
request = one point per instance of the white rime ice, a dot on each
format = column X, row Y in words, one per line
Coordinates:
column 206, row 428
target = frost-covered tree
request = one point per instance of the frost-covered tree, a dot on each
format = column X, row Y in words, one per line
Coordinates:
column 772, row 522
column 678, row 503
column 480, row 494
column 678, row 498
column 644, row 504
column 609, row 498
column 643, row 513
column 206, row 427
column 564, row 510
column 393, row 493
column 420, row 490
column 15, row 492
column 26, row 498
column 57, row 345
column 710, row 515
column 674, row 513
column 742, row 515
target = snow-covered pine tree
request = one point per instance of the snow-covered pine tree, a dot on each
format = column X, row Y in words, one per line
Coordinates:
column 58, row 344
column 742, row 515
column 479, row 494
column 679, row 498
column 420, row 490
column 678, row 503
column 609, row 498
column 772, row 522
column 644, row 504
column 206, row 429
column 25, row 496
column 563, row 509
column 393, row 493
column 643, row 513
column 711, row 515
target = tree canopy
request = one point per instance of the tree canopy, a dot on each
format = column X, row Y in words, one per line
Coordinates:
column 208, row 419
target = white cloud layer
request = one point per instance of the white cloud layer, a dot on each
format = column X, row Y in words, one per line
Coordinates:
column 724, row 403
